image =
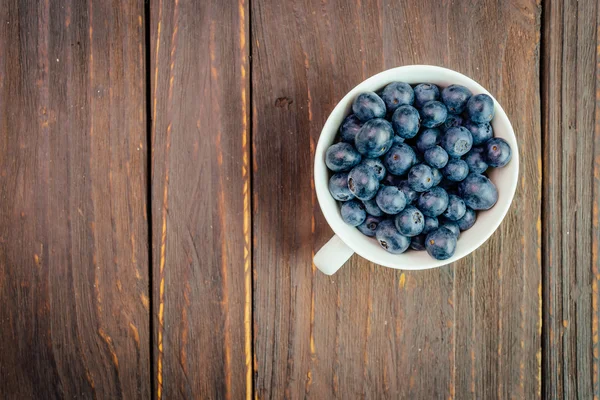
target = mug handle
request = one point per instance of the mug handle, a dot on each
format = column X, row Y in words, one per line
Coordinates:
column 332, row 256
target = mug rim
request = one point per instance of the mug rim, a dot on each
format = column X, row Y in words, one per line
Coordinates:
column 368, row 247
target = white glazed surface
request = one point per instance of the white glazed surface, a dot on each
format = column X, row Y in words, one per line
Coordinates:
column 487, row 221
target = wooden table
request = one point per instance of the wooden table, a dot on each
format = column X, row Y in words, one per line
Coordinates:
column 158, row 218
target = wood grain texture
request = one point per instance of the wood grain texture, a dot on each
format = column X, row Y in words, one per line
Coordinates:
column 73, row 235
column 201, row 199
column 571, row 198
column 472, row 329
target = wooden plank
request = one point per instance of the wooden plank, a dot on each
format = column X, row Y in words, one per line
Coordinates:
column 201, row 199
column 73, row 234
column 571, row 165
column 467, row 330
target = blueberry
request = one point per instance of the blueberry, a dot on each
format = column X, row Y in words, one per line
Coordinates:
column 363, row 182
column 397, row 140
column 431, row 223
column 455, row 97
column 409, row 194
column 418, row 242
column 478, row 192
column 452, row 226
column 436, row 157
column 390, row 239
column 428, row 139
column 475, row 160
column 372, row 208
column 497, row 152
column 397, row 94
column 480, row 132
column 390, row 200
column 374, row 138
column 399, row 159
column 369, row 226
column 350, row 128
column 452, row 122
column 441, row 244
column 437, row 176
column 480, row 108
column 433, row 202
column 406, row 121
column 457, row 141
column 377, row 166
column 353, row 212
column 425, row 92
column 468, row 220
column 392, row 180
column 410, row 222
column 341, row 157
column 456, row 208
column 433, row 114
column 367, row 106
column 420, row 178
column 456, row 170
column 338, row 187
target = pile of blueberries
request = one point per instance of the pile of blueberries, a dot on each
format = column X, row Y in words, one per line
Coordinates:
column 409, row 165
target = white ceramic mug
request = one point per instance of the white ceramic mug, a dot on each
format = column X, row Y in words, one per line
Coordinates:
column 348, row 240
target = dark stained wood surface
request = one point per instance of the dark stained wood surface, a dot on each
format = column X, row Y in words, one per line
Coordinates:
column 201, row 199
column 73, row 236
column 467, row 330
column 571, row 199
column 225, row 101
